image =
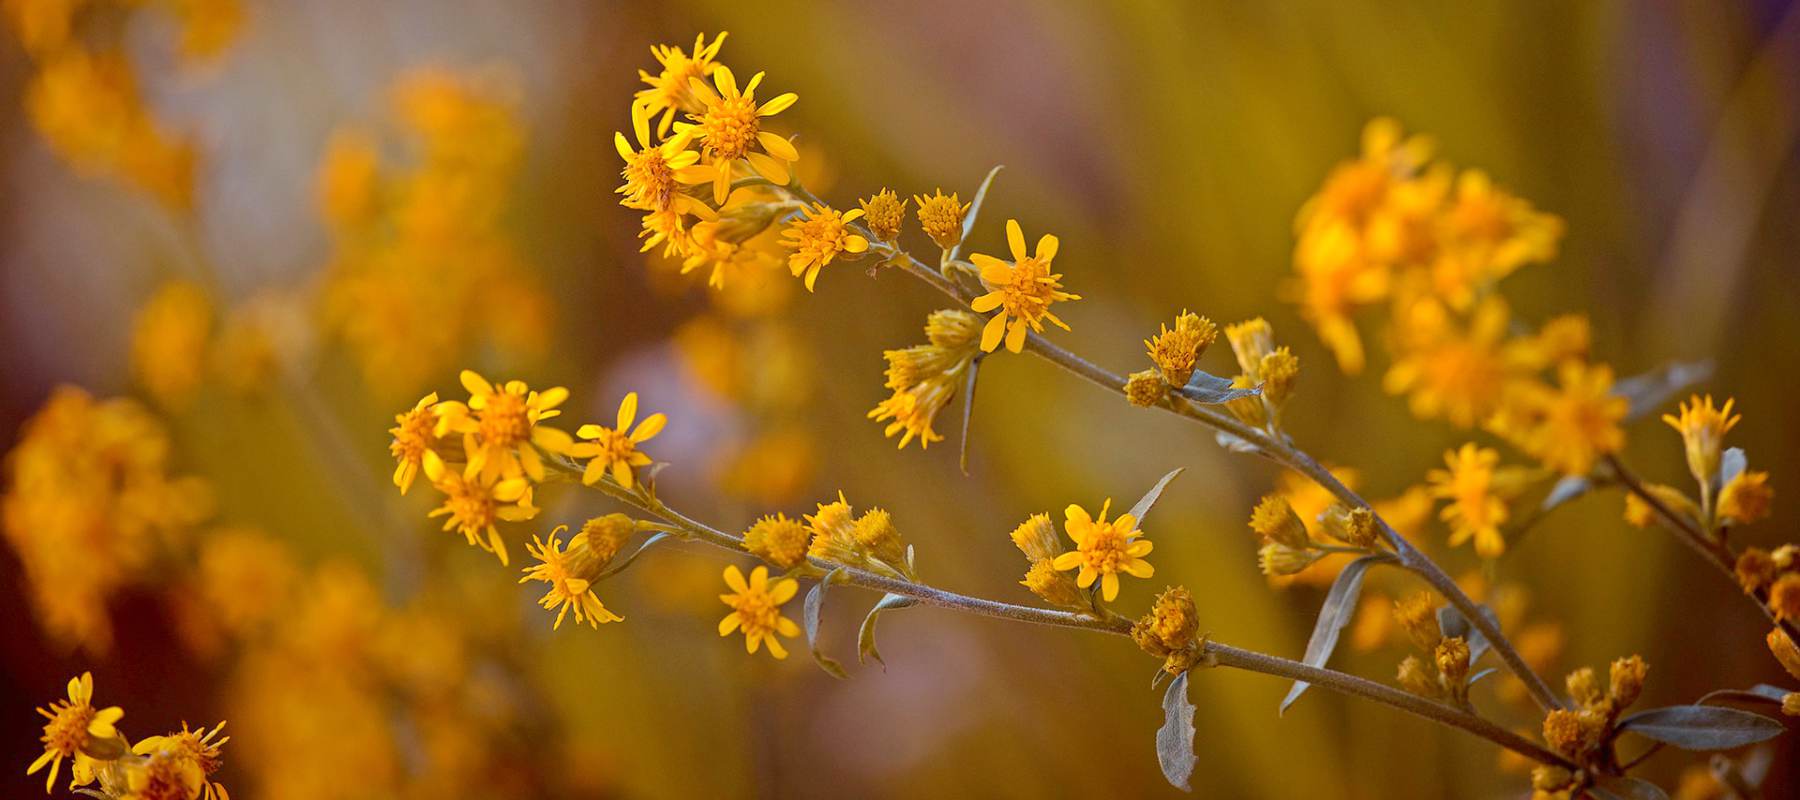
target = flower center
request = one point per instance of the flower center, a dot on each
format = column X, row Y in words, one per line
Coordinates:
column 649, row 180
column 67, row 732
column 472, row 506
column 730, row 125
column 506, row 420
column 1105, row 550
column 414, row 436
column 756, row 613
column 614, row 445
column 1031, row 290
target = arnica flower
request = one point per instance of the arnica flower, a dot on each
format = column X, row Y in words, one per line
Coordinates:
column 651, row 170
column 730, row 125
column 884, row 211
column 1175, row 352
column 1570, row 427
column 415, row 437
column 756, row 609
column 1476, row 509
column 615, row 449
column 820, row 236
column 74, row 727
column 669, row 90
column 1104, row 549
column 191, row 751
column 1023, row 291
column 501, row 434
column 473, row 504
column 942, row 217
column 1746, row 498
column 778, row 540
column 1703, row 430
column 571, row 574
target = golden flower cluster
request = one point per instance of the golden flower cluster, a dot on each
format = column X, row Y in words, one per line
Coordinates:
column 924, row 378
column 174, row 766
column 1584, row 733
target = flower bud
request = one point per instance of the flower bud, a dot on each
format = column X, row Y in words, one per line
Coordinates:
column 778, row 540
column 1250, row 341
column 1146, row 388
column 1275, row 521
column 1276, row 559
column 1584, row 687
column 1418, row 616
column 1785, row 651
column 1354, row 526
column 1453, row 667
column 1415, row 678
column 1036, row 538
column 1056, row 588
column 1755, row 569
column 884, row 212
column 1626, row 681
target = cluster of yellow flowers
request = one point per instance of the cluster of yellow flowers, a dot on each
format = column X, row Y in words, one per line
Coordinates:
column 1444, row 672
column 90, row 505
column 925, row 377
column 84, row 99
column 1585, row 733
column 423, row 268
column 1288, row 548
column 174, row 766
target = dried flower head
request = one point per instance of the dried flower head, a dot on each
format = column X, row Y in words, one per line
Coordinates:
column 1175, row 352
column 885, row 212
column 1575, row 734
column 1755, row 569
column 1626, row 681
column 942, row 217
column 1352, row 526
column 1584, row 687
column 1452, row 657
column 1417, row 615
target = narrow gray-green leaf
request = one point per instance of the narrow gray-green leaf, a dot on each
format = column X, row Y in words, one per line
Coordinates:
column 815, row 604
column 1627, row 788
column 865, row 637
column 1334, row 614
column 1482, row 674
column 1569, row 488
column 1145, row 503
column 1648, row 391
column 1235, row 443
column 968, row 413
column 623, row 560
column 1211, row 389
column 975, row 210
column 1702, row 727
column 1175, row 739
column 1731, row 464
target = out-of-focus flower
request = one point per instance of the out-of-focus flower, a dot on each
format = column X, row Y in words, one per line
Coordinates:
column 169, row 342
column 1569, row 427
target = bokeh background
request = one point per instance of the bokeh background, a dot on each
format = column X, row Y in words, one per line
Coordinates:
column 1168, row 144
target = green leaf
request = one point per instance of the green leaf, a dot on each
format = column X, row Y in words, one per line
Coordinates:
column 1334, row 614
column 1149, row 499
column 968, row 410
column 865, row 638
column 1624, row 787
column 1175, row 739
column 975, row 210
column 815, row 604
column 1211, row 389
column 1650, row 390
column 620, row 562
column 1482, row 674
column 1702, row 727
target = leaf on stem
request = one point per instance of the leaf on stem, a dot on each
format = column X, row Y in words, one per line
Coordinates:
column 1175, row 739
column 1648, row 391
column 1209, row 389
column 865, row 638
column 1623, row 787
column 1149, row 499
column 623, row 560
column 1566, row 489
column 1702, row 727
column 968, row 410
column 975, row 210
column 1334, row 614
column 815, row 604
column 1235, row 443
column 1731, row 464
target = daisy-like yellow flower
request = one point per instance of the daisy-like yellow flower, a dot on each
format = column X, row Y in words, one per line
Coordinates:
column 730, row 127
column 756, row 609
column 570, row 574
column 820, row 236
column 1569, row 427
column 1023, row 291
column 616, row 449
column 1449, row 370
column 499, row 424
column 474, row 503
column 669, row 90
column 414, row 437
column 1703, row 428
column 74, row 725
column 191, row 750
column 1476, row 511
column 1104, row 549
column 650, row 170
column 942, row 217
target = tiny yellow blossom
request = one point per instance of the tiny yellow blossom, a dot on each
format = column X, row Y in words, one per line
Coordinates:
column 651, row 170
column 615, row 450
column 821, row 235
column 1703, row 428
column 730, row 126
column 756, row 609
column 1036, row 538
column 1104, row 549
column 670, row 89
column 1023, row 291
column 1476, row 510
column 1146, row 388
column 942, row 217
column 500, row 427
column 1746, row 498
column 1570, row 427
column 571, row 574
column 192, row 751
column 74, row 726
column 415, row 440
column 473, row 504
column 1784, row 597
column 1275, row 521
column 885, row 212
column 1251, row 340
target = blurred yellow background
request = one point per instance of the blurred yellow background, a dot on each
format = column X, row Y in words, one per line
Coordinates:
column 1169, row 145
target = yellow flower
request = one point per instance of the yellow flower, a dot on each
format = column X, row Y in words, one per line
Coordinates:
column 1023, row 291
column 1487, row 234
column 1175, row 352
column 1566, row 428
column 669, row 90
column 1476, row 510
column 778, row 540
column 164, row 775
column 1146, row 388
column 913, row 410
column 245, row 578
column 570, row 574
column 191, row 751
column 650, row 170
column 1104, row 549
column 1746, row 498
column 614, row 449
column 414, row 439
column 885, row 212
column 818, row 237
column 834, row 533
column 924, row 378
column 1446, row 369
column 730, row 125
column 1703, row 430
column 499, row 424
column 942, row 217
column 474, row 502
column 1251, row 341
column 168, row 343
column 74, row 726
column 756, row 608
column 89, row 110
